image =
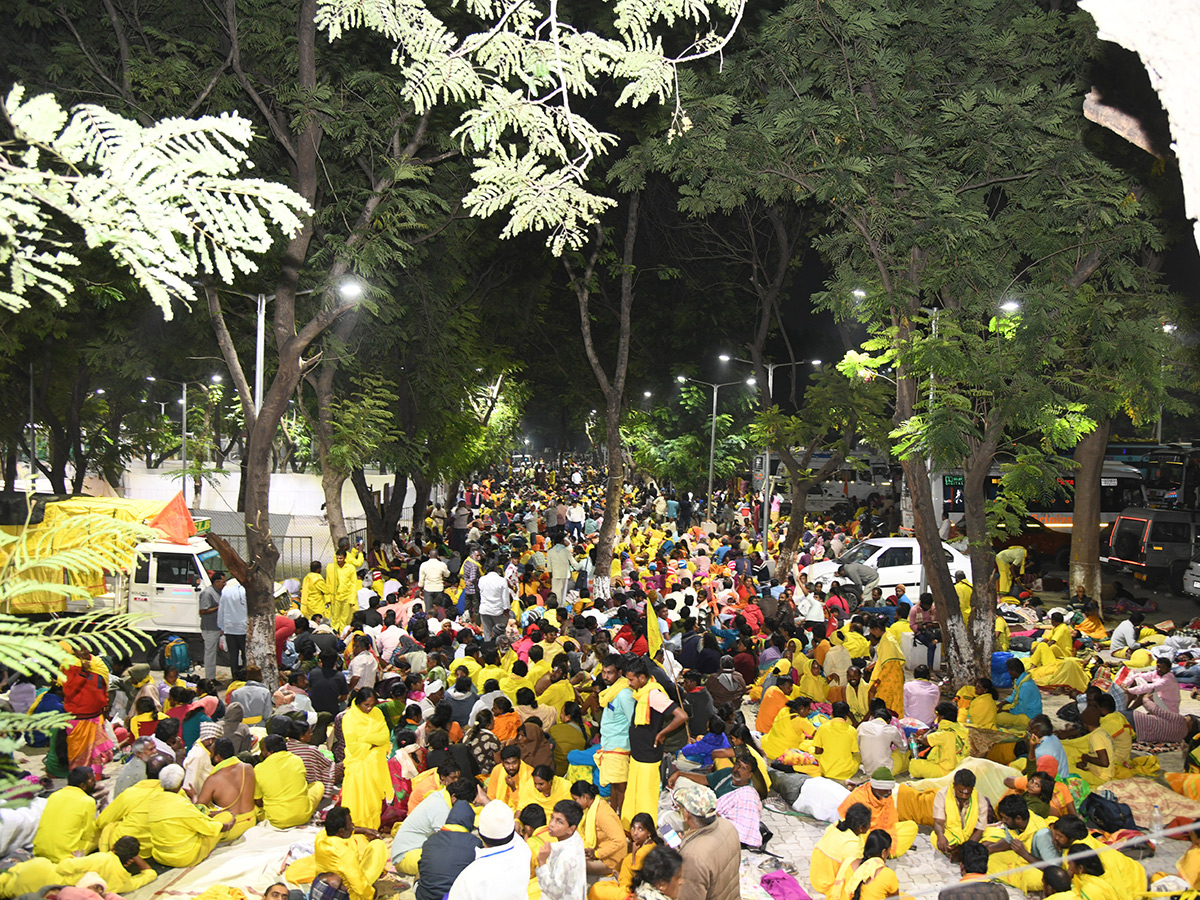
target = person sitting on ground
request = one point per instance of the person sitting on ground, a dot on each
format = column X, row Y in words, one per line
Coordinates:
column 948, row 745
column 281, row 785
column 1023, row 838
column 181, row 835
column 960, row 815
column 509, row 778
column 869, row 878
column 354, row 857
column 836, row 745
column 121, row 868
column 1056, row 884
column 841, row 841
column 1023, row 703
column 447, row 852
column 603, row 835
column 876, row 795
column 68, row 823
column 428, row 817
column 562, row 866
column 229, row 790
column 975, row 884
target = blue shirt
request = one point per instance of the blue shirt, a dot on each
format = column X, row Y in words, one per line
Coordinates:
column 1053, row 747
column 614, row 724
column 1026, row 698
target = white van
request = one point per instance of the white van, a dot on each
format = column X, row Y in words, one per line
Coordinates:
column 166, row 584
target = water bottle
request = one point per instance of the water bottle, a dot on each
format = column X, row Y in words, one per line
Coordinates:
column 1156, row 822
column 912, row 746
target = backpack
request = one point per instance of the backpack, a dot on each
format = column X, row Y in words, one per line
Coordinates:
column 175, row 653
column 1103, row 811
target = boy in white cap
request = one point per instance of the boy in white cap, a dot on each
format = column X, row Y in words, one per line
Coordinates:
column 501, row 867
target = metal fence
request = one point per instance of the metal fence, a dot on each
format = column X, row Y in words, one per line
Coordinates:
column 295, row 554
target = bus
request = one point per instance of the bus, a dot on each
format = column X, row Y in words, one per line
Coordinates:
column 1173, row 477
column 1132, row 452
column 1120, row 487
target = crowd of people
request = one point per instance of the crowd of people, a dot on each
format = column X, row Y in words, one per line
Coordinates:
column 471, row 708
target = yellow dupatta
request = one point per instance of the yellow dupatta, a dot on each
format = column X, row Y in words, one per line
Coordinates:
column 958, row 828
column 641, row 712
column 609, row 694
column 367, row 782
column 587, row 826
column 814, row 686
column 887, row 651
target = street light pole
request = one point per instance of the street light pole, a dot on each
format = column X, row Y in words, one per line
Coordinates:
column 259, row 351
column 712, row 441
column 183, row 443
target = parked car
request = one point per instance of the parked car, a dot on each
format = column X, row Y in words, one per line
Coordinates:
column 897, row 559
column 1156, row 545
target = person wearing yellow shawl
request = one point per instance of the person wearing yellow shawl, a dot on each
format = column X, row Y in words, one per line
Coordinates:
column 841, row 841
column 534, row 830
column 617, row 707
column 887, row 673
column 948, row 745
column 1056, row 884
column 367, row 783
column 344, row 850
column 280, row 782
column 1049, row 669
column 515, row 680
column 68, row 821
column 1118, row 729
column 180, row 835
column 1124, row 873
column 543, row 789
column 1092, row 626
column 643, row 838
column 601, row 830
column 959, row 814
column 127, row 815
column 856, row 693
column 868, row 878
column 1089, row 878
column 342, row 583
column 655, row 716
column 30, row 876
column 560, row 692
column 977, row 704
column 812, row 682
column 1003, row 636
column 1188, row 866
column 1024, row 837
column 314, row 593
column 510, row 778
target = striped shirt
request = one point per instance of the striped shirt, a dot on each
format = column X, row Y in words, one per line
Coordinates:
column 317, row 766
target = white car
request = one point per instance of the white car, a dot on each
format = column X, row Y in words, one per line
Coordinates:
column 897, row 559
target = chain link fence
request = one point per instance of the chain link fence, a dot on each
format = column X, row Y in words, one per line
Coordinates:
column 295, row 554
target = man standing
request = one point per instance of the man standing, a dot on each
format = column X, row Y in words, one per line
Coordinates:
column 495, row 601
column 711, row 850
column 655, row 715
column 342, row 584
column 560, row 563
column 432, row 578
column 562, row 864
column 210, row 604
column 471, row 572
column 617, row 705
column 232, row 620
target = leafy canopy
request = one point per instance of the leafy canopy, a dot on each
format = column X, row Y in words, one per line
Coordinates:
column 164, row 200
column 523, row 78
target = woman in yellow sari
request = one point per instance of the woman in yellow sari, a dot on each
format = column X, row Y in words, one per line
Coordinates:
column 812, row 681
column 367, row 784
column 887, row 676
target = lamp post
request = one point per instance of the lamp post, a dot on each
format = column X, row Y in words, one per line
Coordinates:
column 712, row 440
column 771, row 367
column 215, row 379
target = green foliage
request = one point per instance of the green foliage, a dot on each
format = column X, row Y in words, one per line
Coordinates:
column 57, row 561
column 362, row 423
column 164, row 200
column 522, row 81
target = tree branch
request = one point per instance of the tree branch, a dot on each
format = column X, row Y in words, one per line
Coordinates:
column 229, row 351
column 278, row 129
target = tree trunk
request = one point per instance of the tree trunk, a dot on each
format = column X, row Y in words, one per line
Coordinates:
column 795, row 529
column 331, row 485
column 241, row 497
column 1085, row 532
column 421, row 486
column 976, row 640
column 602, row 579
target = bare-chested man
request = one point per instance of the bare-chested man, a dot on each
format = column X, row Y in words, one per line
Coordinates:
column 229, row 790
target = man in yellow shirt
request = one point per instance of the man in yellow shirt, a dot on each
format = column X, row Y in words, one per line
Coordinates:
column 281, row 784
column 1061, row 634
column 510, row 778
column 128, row 815
column 314, row 593
column 559, row 692
column 964, row 590
column 121, row 868
column 836, row 745
column 180, row 834
column 947, row 745
column 348, row 852
column 68, row 823
column 342, row 583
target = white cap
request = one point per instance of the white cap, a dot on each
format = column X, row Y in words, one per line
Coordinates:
column 433, row 687
column 496, row 821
